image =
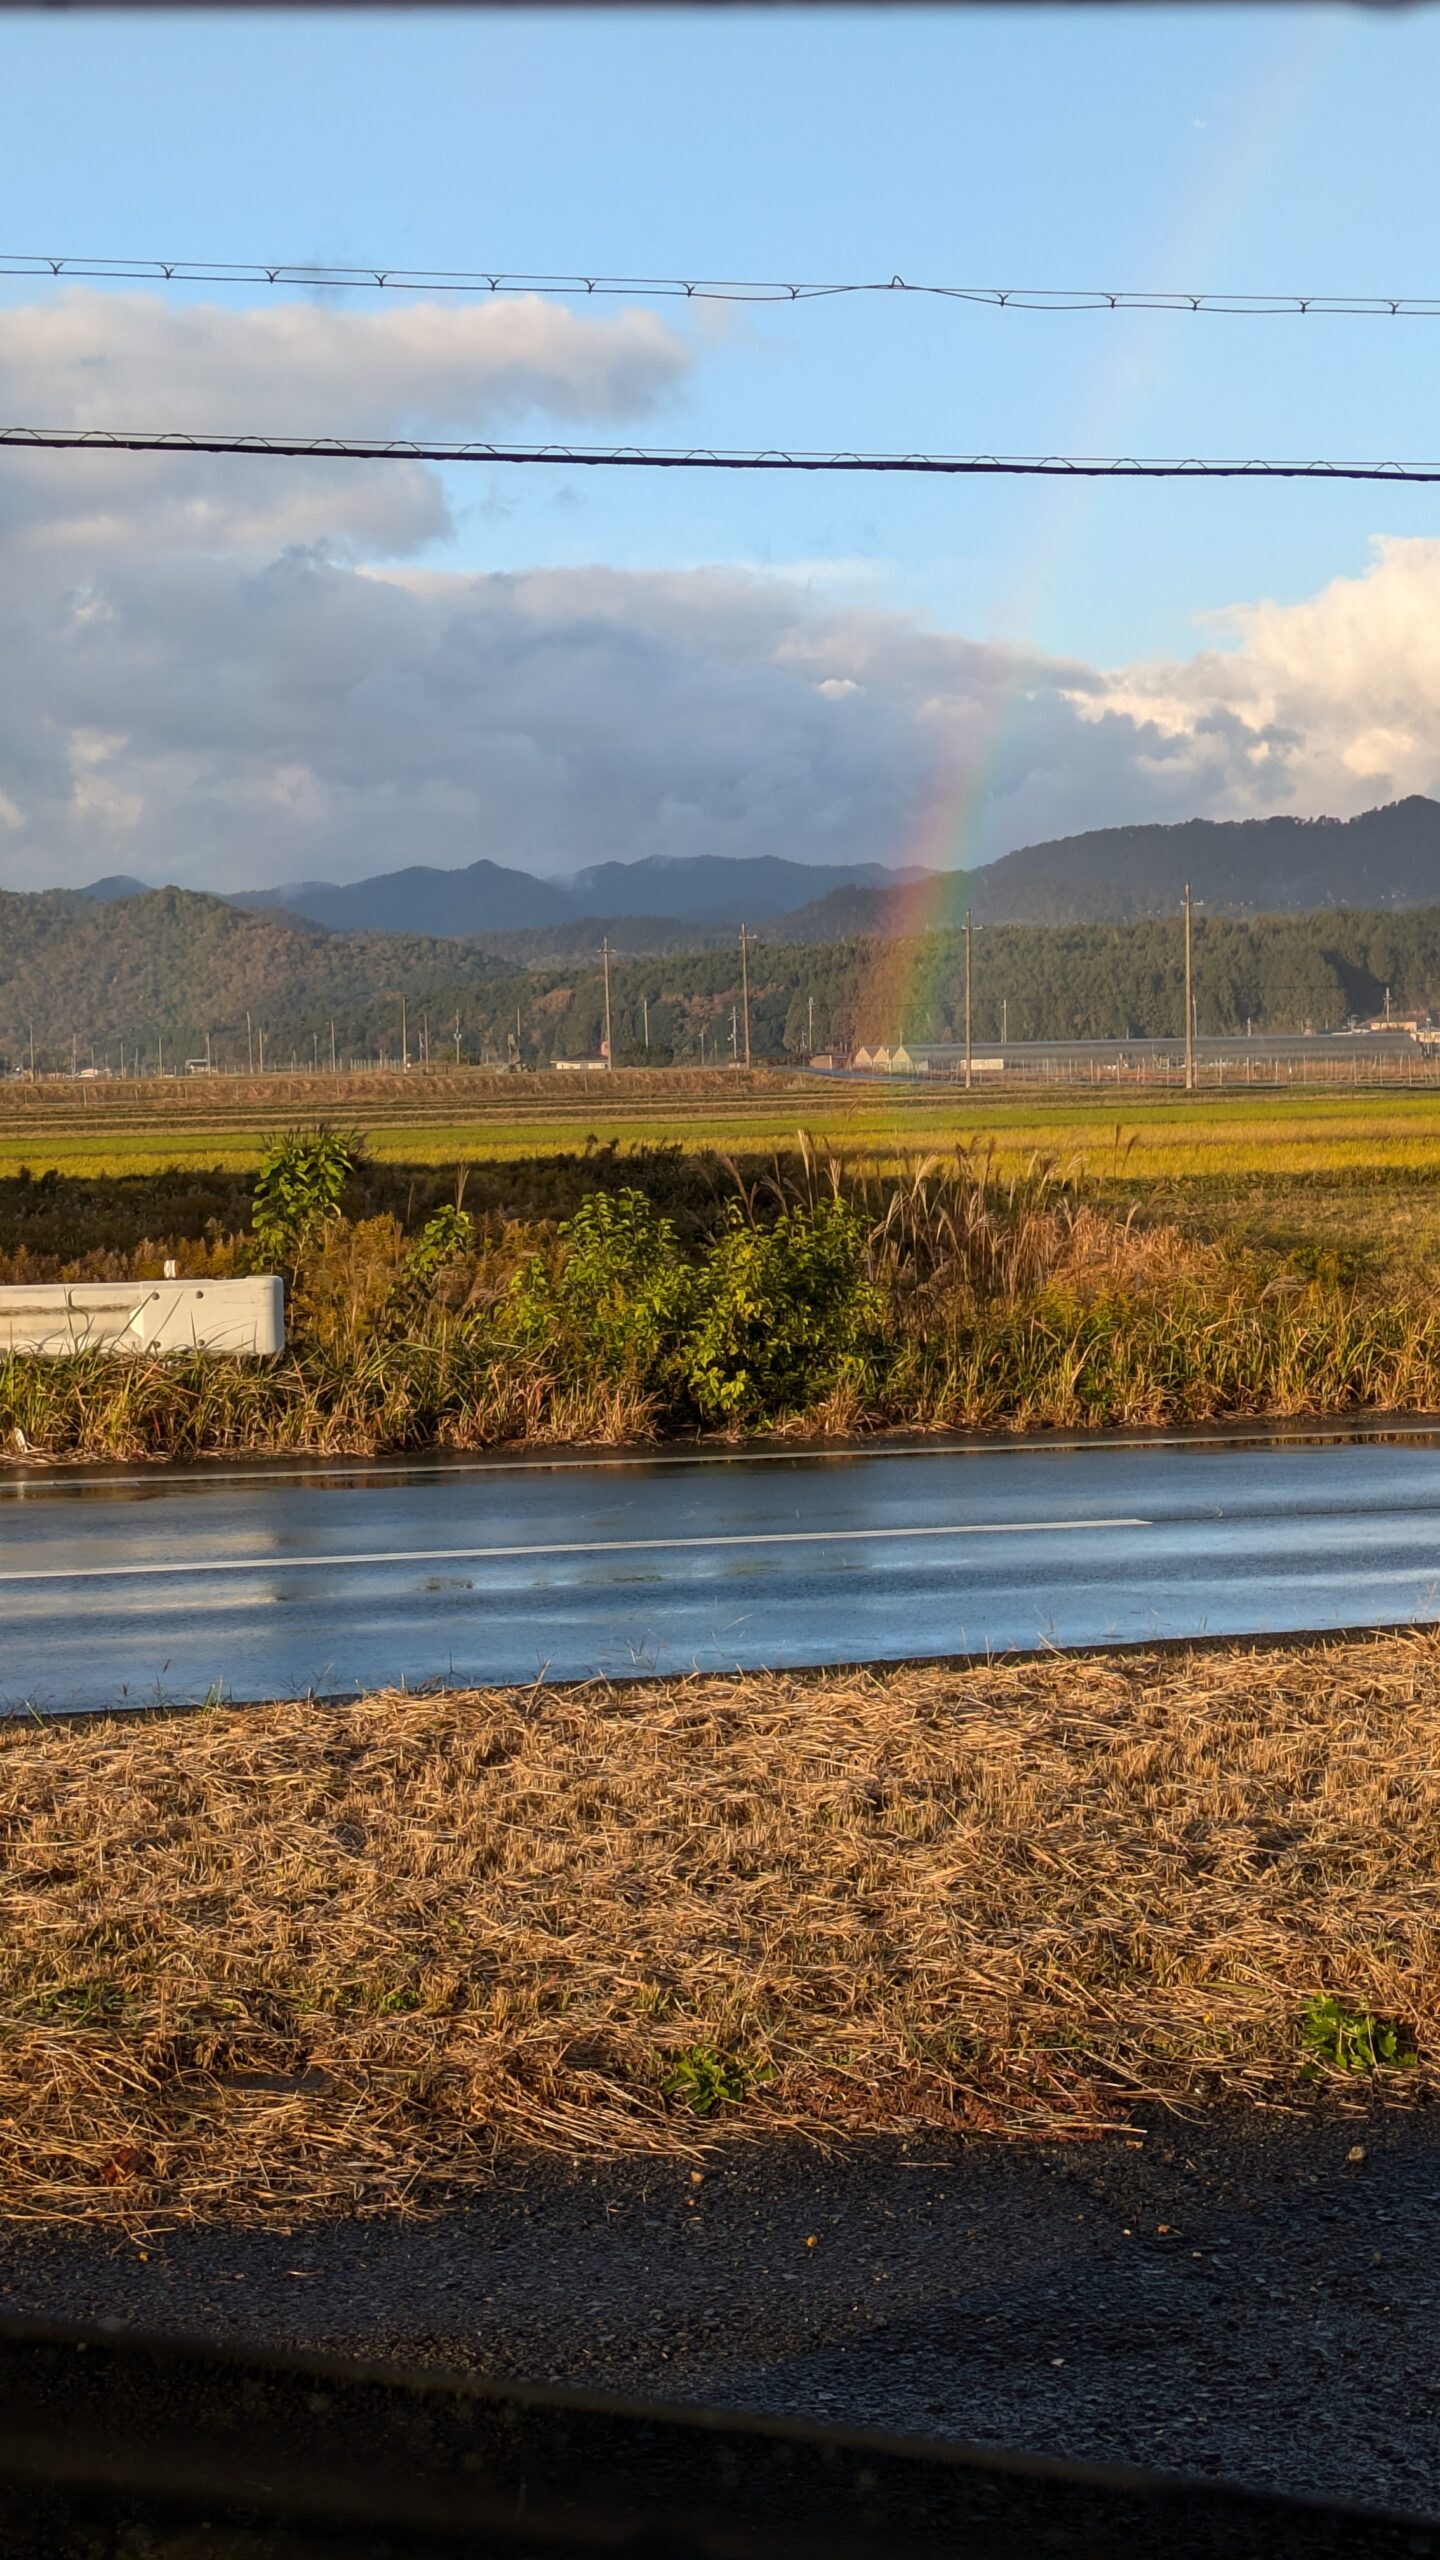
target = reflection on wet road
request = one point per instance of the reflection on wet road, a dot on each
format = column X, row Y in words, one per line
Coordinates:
column 267, row 1582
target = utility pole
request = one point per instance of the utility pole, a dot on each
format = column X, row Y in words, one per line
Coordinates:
column 969, row 1042
column 249, row 1045
column 702, row 1044
column 645, row 1016
column 404, row 1039
column 809, row 1026
column 745, row 986
column 457, row 1039
column 734, row 1037
column 605, row 964
column 262, row 1048
column 32, row 1052
column 1189, row 992
column 332, row 1044
column 424, row 1039
column 207, row 1053
column 1004, row 1021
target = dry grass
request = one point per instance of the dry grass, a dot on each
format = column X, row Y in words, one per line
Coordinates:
column 268, row 1962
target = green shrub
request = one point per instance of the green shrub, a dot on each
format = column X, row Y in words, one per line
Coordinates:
column 781, row 1313
column 299, row 1189
column 613, row 1294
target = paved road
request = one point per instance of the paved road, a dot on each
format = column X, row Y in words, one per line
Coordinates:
column 1234, row 2295
column 264, row 1582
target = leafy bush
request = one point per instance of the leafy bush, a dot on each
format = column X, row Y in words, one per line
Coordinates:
column 301, row 1183
column 443, row 1247
column 781, row 1312
column 612, row 1295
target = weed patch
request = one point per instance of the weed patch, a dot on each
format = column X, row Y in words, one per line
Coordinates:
column 1353, row 2040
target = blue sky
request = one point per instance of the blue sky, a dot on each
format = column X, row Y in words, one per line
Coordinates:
column 1231, row 149
column 1285, row 148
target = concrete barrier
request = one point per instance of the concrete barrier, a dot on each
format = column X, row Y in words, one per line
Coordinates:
column 245, row 1319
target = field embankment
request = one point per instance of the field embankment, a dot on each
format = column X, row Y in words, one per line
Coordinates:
column 261, row 1963
column 606, row 1296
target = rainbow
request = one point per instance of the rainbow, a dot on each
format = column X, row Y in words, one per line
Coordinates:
column 1210, row 219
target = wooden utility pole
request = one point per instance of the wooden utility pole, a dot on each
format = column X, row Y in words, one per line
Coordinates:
column 605, row 963
column 1189, row 993
column 745, row 987
column 249, row 1045
column 645, row 1017
column 404, row 1038
column 969, row 1042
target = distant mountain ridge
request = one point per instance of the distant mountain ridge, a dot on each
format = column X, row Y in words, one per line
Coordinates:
column 1384, row 858
column 487, row 897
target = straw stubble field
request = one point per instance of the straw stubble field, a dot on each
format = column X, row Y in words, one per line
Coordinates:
column 266, row 1963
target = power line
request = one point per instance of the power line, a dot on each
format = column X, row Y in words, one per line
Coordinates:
column 305, row 277
column 709, row 458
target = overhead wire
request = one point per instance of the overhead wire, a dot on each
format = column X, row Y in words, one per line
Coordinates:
column 308, row 276
column 708, row 458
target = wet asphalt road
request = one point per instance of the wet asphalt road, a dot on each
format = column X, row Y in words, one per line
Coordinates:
column 275, row 1581
column 1237, row 2298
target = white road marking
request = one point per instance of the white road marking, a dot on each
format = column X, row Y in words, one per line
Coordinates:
column 589, row 1547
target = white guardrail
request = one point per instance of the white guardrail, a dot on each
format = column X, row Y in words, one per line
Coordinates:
column 245, row 1319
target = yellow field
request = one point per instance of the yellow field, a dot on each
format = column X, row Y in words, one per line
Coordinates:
column 441, row 1120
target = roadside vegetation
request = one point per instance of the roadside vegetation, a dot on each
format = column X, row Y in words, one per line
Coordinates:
column 611, row 1296
column 259, row 1963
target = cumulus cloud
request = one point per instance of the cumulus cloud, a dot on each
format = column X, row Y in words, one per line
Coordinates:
column 1329, row 704
column 230, row 673
column 410, row 369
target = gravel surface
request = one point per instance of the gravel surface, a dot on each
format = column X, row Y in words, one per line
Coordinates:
column 1254, row 2298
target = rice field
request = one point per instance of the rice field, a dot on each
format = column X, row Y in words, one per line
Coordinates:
column 447, row 1120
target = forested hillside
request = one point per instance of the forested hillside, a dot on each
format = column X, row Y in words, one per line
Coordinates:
column 164, row 969
column 171, row 967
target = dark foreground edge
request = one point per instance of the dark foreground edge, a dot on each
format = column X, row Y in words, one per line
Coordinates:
column 118, row 2447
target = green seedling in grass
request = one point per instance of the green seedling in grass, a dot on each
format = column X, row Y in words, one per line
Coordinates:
column 1353, row 2039
column 706, row 2081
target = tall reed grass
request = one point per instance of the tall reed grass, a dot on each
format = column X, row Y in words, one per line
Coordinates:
column 954, row 1292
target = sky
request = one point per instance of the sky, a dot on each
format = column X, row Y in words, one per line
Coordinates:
column 240, row 672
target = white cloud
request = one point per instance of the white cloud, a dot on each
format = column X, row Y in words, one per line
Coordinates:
column 452, row 370
column 1331, row 704
column 221, row 672
column 105, row 360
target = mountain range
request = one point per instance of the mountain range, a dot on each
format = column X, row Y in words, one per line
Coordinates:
column 1384, row 858
column 106, row 982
